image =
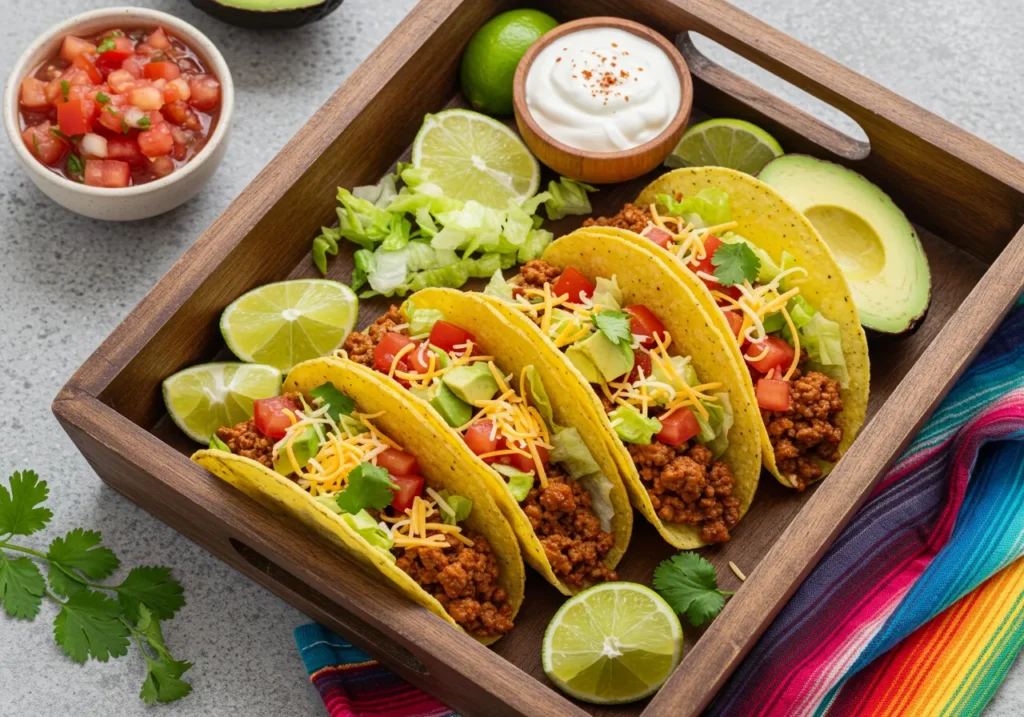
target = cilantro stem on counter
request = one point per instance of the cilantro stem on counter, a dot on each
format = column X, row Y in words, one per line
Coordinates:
column 90, row 623
column 689, row 585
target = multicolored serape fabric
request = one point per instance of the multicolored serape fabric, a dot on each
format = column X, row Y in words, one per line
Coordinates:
column 916, row 610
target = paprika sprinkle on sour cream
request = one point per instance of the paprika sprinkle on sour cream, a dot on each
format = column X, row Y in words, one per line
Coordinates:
column 603, row 90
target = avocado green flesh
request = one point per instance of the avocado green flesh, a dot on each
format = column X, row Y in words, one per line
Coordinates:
column 471, row 383
column 609, row 359
column 269, row 5
column 876, row 247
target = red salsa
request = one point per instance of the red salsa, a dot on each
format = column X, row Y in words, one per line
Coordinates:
column 119, row 108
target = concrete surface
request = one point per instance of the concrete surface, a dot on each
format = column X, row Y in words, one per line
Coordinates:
column 66, row 281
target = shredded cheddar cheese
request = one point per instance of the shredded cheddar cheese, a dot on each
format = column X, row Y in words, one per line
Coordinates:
column 413, row 530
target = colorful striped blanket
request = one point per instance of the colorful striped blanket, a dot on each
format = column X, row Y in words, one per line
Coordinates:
column 916, row 608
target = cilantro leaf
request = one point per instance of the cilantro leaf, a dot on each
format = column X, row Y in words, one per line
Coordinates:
column 340, row 404
column 152, row 587
column 614, row 325
column 735, row 263
column 21, row 587
column 63, row 584
column 107, row 45
column 369, row 486
column 150, row 627
column 689, row 584
column 65, row 87
column 163, row 683
column 143, row 123
column 20, row 513
column 75, row 165
column 102, row 98
column 81, row 550
column 88, row 625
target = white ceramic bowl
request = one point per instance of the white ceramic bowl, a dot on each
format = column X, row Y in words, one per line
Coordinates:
column 145, row 200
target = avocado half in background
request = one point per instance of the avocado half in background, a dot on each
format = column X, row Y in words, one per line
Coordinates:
column 876, row 247
column 266, row 14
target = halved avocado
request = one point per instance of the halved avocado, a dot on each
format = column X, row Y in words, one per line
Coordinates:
column 876, row 247
column 267, row 14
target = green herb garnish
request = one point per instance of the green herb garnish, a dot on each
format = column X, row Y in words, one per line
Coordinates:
column 369, row 486
column 124, row 126
column 102, row 98
column 614, row 325
column 735, row 263
column 55, row 131
column 75, row 165
column 35, row 143
column 90, row 622
column 689, row 585
column 339, row 404
column 65, row 87
column 143, row 123
column 107, row 45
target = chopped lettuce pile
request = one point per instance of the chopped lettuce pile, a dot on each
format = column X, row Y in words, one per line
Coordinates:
column 411, row 236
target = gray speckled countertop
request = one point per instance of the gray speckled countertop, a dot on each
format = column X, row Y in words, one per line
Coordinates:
column 66, row 281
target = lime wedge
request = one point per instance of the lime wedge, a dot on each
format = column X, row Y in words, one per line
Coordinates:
column 471, row 156
column 612, row 643
column 203, row 398
column 286, row 323
column 731, row 143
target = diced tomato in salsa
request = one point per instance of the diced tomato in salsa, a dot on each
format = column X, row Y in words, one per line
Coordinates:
column 398, row 463
column 447, row 336
column 270, row 417
column 644, row 322
column 408, row 488
column 679, row 427
column 573, row 283
column 124, row 85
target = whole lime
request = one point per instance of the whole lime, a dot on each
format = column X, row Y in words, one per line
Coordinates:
column 493, row 53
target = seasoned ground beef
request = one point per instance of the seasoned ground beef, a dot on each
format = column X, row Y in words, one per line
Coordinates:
column 811, row 428
column 569, row 531
column 538, row 272
column 464, row 580
column 244, row 440
column 632, row 217
column 687, row 485
column 360, row 345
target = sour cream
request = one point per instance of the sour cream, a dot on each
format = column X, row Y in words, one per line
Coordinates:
column 603, row 90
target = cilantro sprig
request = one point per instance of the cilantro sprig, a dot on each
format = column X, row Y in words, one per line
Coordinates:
column 689, row 585
column 95, row 620
column 735, row 263
column 614, row 325
column 369, row 486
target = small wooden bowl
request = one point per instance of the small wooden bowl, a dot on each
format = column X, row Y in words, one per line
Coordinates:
column 601, row 167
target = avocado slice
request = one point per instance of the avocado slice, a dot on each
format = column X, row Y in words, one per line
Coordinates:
column 876, row 247
column 453, row 409
column 305, row 447
column 268, row 14
column 472, row 382
column 583, row 363
column 611, row 360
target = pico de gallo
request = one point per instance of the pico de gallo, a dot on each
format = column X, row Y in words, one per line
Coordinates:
column 119, row 108
column 507, row 421
column 793, row 352
column 674, row 426
column 340, row 457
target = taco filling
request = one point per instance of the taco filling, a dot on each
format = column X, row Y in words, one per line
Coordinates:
column 674, row 426
column 344, row 462
column 793, row 353
column 506, row 421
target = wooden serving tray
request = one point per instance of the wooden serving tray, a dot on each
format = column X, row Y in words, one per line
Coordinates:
column 965, row 197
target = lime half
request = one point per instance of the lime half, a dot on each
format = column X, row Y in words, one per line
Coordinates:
column 471, row 156
column 731, row 143
column 203, row 398
column 616, row 642
column 286, row 323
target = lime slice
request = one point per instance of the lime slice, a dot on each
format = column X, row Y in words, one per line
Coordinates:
column 731, row 143
column 612, row 643
column 471, row 156
column 203, row 398
column 286, row 323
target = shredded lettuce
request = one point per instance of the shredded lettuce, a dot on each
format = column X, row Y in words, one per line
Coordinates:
column 822, row 340
column 572, row 453
column 498, row 287
column 607, row 294
column 682, row 367
column 714, row 432
column 536, row 242
column 600, row 490
column 364, row 524
column 519, row 483
column 462, row 506
column 421, row 321
column 380, row 194
column 567, row 196
column 632, row 427
column 704, row 209
column 539, row 397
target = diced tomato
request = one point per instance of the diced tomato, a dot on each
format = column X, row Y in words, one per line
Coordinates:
column 779, row 355
column 478, row 437
column 773, row 394
column 126, row 150
column 108, row 173
column 644, row 322
column 398, row 463
column 47, row 147
column 161, row 71
column 181, row 114
column 641, row 362
column 205, row 92
column 76, row 116
column 121, row 81
column 417, row 360
column 111, row 115
column 83, row 63
column 134, row 66
column 679, row 427
column 177, row 90
column 161, row 166
column 408, row 488
column 526, row 465
column 146, row 98
column 389, row 346
column 33, row 94
column 658, row 235
column 70, row 78
column 269, row 414
column 573, row 283
column 158, row 39
column 447, row 336
column 123, row 49
column 735, row 322
column 74, row 47
column 156, row 141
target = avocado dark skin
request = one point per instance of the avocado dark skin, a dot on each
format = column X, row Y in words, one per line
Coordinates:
column 269, row 18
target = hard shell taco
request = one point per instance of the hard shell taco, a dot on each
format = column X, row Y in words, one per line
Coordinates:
column 766, row 277
column 671, row 399
column 341, row 451
column 545, row 459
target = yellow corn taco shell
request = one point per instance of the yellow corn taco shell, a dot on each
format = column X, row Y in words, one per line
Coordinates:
column 646, row 280
column 444, row 465
column 513, row 351
column 776, row 226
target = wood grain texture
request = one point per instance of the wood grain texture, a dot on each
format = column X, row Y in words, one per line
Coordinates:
column 945, row 179
column 606, row 167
